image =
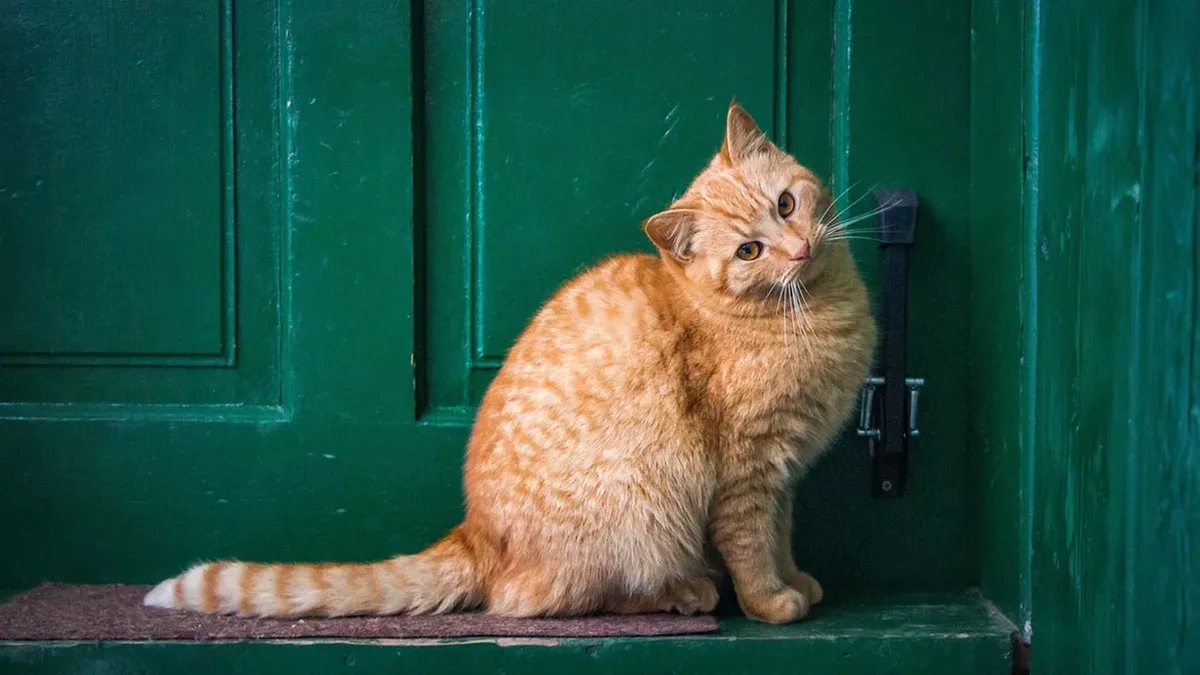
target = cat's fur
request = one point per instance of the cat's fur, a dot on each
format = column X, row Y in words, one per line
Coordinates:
column 654, row 411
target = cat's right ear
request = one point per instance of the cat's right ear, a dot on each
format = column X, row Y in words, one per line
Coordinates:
column 671, row 231
column 743, row 137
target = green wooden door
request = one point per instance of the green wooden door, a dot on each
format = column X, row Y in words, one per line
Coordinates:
column 206, row 255
column 260, row 260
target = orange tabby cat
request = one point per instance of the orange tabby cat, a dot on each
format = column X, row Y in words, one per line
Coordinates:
column 655, row 409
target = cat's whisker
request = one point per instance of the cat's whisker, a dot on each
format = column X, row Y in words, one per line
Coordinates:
column 846, row 224
column 781, row 306
column 852, row 237
column 839, row 222
column 803, row 292
column 806, row 327
column 787, row 319
column 842, row 212
column 855, row 233
column 838, row 226
column 836, row 199
column 869, row 214
column 782, row 286
column 833, row 222
column 858, row 231
column 791, row 322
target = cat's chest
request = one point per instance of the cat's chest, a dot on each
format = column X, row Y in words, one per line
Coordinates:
column 775, row 377
column 793, row 389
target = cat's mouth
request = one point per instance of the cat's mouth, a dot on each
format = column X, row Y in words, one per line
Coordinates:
column 794, row 281
column 798, row 278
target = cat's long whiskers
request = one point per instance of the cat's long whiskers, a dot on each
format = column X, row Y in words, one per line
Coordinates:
column 870, row 228
column 781, row 306
column 782, row 289
column 787, row 319
column 869, row 214
column 777, row 286
column 837, row 216
column 796, row 317
column 846, row 226
column 792, row 321
column 808, row 328
column 852, row 237
column 801, row 318
column 864, row 231
column 870, row 232
column 840, row 214
column 805, row 295
column 833, row 224
column 835, row 200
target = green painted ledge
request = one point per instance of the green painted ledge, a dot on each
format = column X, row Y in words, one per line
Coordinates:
column 955, row 633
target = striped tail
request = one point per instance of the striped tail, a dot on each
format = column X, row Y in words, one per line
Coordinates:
column 440, row 579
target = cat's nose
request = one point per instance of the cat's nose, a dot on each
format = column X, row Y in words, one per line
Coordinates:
column 797, row 250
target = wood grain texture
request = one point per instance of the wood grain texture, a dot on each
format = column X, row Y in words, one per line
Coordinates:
column 1086, row 282
column 1163, row 592
column 1117, row 455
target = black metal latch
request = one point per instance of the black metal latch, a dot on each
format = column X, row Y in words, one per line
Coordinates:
column 888, row 405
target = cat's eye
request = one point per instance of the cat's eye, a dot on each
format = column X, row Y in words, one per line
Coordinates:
column 750, row 250
column 786, row 204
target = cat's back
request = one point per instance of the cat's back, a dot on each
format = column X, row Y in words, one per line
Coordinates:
column 620, row 304
column 592, row 387
column 597, row 361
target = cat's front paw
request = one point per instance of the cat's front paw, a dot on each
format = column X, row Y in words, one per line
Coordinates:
column 784, row 606
column 807, row 585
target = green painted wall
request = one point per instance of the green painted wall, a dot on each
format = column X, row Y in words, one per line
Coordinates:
column 1116, row 527
column 1085, row 359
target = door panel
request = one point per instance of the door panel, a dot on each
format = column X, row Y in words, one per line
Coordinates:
column 116, row 163
column 552, row 130
column 139, row 228
column 587, row 122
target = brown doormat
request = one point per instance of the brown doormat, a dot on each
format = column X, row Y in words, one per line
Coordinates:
column 115, row 612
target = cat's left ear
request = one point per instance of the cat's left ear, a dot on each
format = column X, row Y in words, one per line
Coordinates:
column 743, row 138
column 671, row 231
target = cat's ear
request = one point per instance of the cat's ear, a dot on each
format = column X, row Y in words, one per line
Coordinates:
column 743, row 138
column 671, row 231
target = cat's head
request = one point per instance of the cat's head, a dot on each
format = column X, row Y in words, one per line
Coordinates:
column 751, row 222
